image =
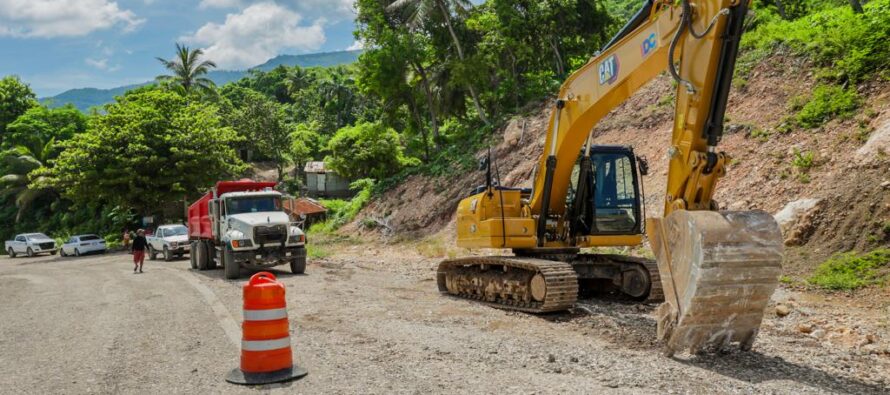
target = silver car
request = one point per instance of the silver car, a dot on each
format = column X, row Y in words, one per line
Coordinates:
column 83, row 244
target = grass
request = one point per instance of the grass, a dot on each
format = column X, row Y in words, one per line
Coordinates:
column 803, row 162
column 315, row 251
column 827, row 102
column 849, row 271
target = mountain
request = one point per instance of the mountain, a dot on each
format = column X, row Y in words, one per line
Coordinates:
column 84, row 98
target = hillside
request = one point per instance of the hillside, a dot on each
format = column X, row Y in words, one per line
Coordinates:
column 847, row 175
column 84, row 98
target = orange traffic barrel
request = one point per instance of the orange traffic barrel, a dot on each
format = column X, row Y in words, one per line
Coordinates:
column 265, row 342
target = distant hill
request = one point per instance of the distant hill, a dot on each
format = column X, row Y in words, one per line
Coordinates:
column 84, row 98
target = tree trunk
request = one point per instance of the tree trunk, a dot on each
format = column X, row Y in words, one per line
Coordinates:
column 559, row 64
column 426, row 144
column 434, row 117
column 781, row 8
column 857, row 6
column 460, row 54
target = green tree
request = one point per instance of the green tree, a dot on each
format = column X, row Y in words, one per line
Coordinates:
column 263, row 124
column 424, row 10
column 22, row 179
column 15, row 98
column 150, row 148
column 366, row 150
column 40, row 124
column 188, row 70
column 305, row 143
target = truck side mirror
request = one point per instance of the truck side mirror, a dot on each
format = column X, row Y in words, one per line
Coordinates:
column 644, row 165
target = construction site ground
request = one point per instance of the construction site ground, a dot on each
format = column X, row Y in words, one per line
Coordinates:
column 367, row 318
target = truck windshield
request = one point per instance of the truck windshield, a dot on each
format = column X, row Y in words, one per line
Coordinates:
column 176, row 231
column 37, row 236
column 253, row 204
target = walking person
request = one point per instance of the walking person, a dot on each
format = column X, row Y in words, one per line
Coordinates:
column 139, row 245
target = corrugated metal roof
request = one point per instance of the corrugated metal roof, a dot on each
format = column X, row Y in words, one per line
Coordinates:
column 315, row 167
column 306, row 206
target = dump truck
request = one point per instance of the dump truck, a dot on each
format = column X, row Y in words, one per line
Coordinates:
column 242, row 224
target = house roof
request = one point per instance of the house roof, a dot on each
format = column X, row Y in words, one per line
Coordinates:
column 315, row 167
column 306, row 206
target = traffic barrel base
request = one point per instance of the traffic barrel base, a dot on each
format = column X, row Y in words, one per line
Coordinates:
column 237, row 376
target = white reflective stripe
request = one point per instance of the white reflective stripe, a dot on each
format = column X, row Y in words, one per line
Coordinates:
column 265, row 345
column 265, row 315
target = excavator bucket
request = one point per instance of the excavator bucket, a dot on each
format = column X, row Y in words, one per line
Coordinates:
column 718, row 270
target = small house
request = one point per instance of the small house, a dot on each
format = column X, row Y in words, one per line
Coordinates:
column 324, row 183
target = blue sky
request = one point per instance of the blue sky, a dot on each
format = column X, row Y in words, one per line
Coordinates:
column 55, row 45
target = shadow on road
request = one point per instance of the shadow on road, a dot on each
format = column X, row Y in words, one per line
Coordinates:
column 219, row 275
column 754, row 367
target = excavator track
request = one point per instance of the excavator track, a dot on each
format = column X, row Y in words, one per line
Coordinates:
column 514, row 283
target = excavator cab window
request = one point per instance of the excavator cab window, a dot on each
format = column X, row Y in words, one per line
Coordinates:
column 610, row 202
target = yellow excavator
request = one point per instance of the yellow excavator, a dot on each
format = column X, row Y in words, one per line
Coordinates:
column 715, row 270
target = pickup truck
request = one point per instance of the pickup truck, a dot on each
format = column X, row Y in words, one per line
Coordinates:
column 31, row 244
column 170, row 241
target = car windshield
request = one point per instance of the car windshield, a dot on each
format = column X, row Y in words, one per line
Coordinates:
column 37, row 236
column 175, row 231
column 89, row 238
column 253, row 204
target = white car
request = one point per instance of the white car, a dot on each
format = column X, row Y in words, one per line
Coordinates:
column 83, row 244
column 30, row 244
column 170, row 241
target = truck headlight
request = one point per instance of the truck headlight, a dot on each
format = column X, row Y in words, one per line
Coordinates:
column 296, row 239
column 242, row 243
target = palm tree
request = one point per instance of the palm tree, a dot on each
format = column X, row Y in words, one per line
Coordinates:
column 422, row 10
column 188, row 70
column 20, row 179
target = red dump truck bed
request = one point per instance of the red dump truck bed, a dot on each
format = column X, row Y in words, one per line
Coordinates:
column 199, row 212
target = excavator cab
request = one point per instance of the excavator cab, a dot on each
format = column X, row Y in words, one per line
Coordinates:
column 609, row 199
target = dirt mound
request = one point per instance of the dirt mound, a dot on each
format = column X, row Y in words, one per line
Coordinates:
column 847, row 171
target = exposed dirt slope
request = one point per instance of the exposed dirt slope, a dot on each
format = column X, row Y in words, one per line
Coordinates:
column 848, row 174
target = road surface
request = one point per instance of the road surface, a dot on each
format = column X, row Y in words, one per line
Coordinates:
column 364, row 321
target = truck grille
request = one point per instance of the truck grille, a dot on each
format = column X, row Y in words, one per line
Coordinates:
column 47, row 246
column 269, row 234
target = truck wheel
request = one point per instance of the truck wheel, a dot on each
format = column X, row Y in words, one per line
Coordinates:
column 62, row 252
column 167, row 256
column 192, row 260
column 233, row 270
column 201, row 257
column 11, row 252
column 76, row 252
column 151, row 253
column 30, row 252
column 210, row 260
column 298, row 265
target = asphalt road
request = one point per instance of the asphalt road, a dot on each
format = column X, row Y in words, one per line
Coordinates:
column 360, row 323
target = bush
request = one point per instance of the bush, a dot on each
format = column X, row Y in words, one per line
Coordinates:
column 340, row 212
column 827, row 102
column 850, row 271
column 366, row 150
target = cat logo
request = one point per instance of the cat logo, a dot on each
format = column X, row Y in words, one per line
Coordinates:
column 649, row 44
column 608, row 70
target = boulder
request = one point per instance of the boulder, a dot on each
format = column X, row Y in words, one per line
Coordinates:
column 877, row 147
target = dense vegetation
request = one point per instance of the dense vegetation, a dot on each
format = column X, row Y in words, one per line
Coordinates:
column 437, row 78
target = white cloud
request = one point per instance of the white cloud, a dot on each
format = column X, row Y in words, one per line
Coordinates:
column 256, row 34
column 101, row 64
column 219, row 4
column 356, row 45
column 55, row 18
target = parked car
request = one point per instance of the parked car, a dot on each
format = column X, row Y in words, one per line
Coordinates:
column 30, row 244
column 169, row 240
column 83, row 244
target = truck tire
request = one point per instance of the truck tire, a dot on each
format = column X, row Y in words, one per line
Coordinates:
column 201, row 257
column 30, row 252
column 11, row 252
column 151, row 253
column 233, row 270
column 210, row 259
column 167, row 255
column 192, row 260
column 298, row 265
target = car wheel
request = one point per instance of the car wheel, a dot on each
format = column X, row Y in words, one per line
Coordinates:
column 11, row 252
column 53, row 252
column 30, row 252
column 62, row 252
column 167, row 256
column 151, row 253
column 76, row 252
